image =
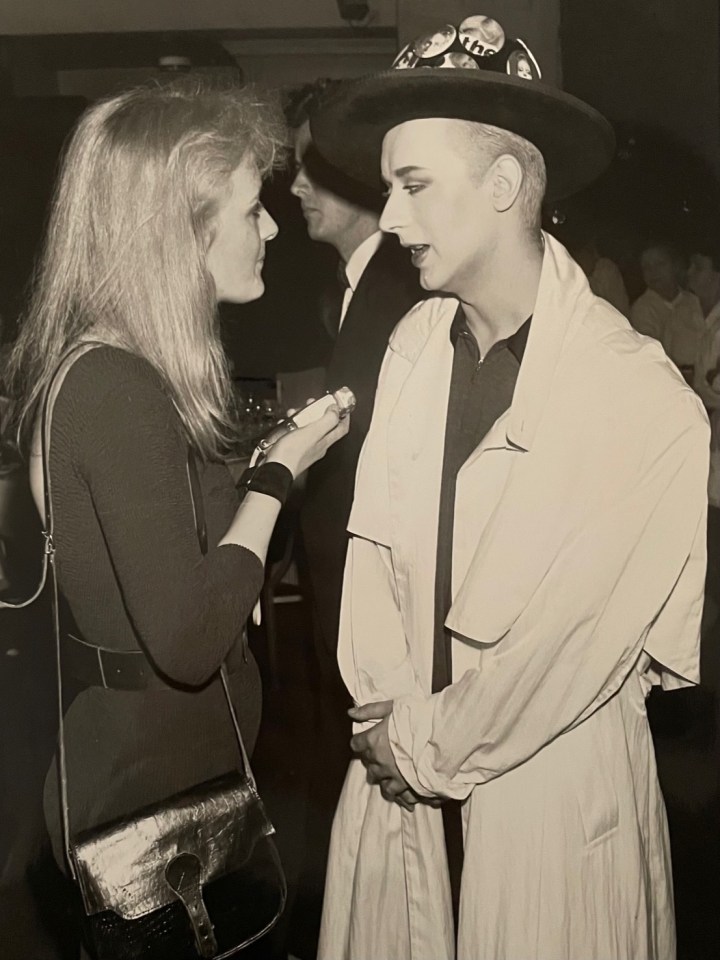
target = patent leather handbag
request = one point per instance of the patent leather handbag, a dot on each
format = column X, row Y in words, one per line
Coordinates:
column 195, row 875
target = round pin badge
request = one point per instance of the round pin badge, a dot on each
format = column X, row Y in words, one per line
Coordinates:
column 433, row 44
column 481, row 36
column 406, row 59
column 521, row 63
column 457, row 61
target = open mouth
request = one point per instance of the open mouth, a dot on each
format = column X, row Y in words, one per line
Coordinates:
column 417, row 253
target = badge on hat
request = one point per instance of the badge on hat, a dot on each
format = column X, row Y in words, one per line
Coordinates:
column 473, row 71
column 521, row 63
column 433, row 44
column 458, row 61
column 482, row 36
column 478, row 43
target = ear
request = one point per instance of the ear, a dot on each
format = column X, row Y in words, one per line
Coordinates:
column 507, row 178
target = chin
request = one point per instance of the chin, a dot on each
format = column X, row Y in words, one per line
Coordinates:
column 429, row 282
column 315, row 233
column 246, row 296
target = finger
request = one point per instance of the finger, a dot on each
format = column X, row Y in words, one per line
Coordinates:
column 371, row 711
column 358, row 743
column 373, row 774
column 394, row 791
column 323, row 427
column 408, row 797
column 387, row 793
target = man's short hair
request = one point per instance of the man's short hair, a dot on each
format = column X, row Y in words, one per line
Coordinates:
column 667, row 248
column 486, row 143
column 300, row 106
column 706, row 246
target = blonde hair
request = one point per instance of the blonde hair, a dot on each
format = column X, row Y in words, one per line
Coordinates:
column 125, row 254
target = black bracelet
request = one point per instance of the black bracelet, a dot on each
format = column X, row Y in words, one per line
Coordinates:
column 273, row 479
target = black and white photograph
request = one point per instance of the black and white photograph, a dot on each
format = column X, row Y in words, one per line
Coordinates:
column 359, row 480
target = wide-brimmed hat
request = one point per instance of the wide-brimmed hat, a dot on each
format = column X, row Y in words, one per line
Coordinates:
column 469, row 72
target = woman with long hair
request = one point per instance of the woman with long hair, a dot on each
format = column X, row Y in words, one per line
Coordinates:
column 156, row 218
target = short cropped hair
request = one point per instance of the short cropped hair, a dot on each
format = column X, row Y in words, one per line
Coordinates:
column 707, row 246
column 672, row 251
column 484, row 143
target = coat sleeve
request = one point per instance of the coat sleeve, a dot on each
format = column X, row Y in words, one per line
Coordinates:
column 645, row 321
column 631, row 578
column 372, row 651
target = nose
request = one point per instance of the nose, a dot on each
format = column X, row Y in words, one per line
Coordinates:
column 391, row 216
column 299, row 185
column 268, row 227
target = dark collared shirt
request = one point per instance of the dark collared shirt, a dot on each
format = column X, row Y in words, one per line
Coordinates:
column 480, row 391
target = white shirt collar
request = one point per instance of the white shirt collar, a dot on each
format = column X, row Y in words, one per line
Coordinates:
column 360, row 257
column 669, row 304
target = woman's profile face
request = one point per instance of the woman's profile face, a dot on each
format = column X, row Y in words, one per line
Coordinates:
column 241, row 228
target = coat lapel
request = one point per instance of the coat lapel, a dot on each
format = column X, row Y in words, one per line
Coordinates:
column 497, row 508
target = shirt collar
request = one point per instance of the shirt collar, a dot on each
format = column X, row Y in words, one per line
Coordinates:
column 360, row 257
column 515, row 343
column 668, row 304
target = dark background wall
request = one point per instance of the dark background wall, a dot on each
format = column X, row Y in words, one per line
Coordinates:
column 651, row 66
column 649, row 61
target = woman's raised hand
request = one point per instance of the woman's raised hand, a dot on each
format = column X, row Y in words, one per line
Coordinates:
column 300, row 448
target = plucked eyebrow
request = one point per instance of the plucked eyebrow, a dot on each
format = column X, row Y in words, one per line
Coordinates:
column 405, row 171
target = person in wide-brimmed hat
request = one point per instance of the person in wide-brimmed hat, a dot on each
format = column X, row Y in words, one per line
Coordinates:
column 527, row 542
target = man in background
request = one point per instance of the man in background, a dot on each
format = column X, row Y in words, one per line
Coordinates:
column 703, row 276
column 666, row 311
column 603, row 275
column 374, row 286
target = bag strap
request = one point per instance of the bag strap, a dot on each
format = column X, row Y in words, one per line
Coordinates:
column 201, row 530
column 7, row 604
column 48, row 406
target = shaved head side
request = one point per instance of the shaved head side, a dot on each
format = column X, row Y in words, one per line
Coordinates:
column 482, row 144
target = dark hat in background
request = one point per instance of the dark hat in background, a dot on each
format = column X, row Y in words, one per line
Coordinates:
column 469, row 72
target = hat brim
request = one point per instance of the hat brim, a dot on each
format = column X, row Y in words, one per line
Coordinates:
column 576, row 141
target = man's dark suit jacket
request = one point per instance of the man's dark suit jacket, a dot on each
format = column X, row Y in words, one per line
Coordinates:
column 387, row 289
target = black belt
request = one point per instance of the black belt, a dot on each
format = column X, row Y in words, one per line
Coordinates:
column 127, row 669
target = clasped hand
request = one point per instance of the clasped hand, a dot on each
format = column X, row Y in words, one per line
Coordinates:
column 373, row 748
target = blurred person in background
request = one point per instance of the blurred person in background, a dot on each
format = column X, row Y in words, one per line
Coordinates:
column 703, row 275
column 604, row 276
column 665, row 310
column 377, row 285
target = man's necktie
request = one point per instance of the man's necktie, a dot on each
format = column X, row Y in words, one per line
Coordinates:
column 332, row 300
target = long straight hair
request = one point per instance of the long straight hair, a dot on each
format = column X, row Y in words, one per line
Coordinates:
column 124, row 259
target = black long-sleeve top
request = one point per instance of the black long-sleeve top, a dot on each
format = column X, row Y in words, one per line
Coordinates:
column 132, row 572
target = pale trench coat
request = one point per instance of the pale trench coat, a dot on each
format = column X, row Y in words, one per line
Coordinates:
column 578, row 568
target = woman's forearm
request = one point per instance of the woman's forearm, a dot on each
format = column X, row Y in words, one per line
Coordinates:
column 253, row 523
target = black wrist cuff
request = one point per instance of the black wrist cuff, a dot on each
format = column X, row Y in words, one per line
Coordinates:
column 273, row 479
